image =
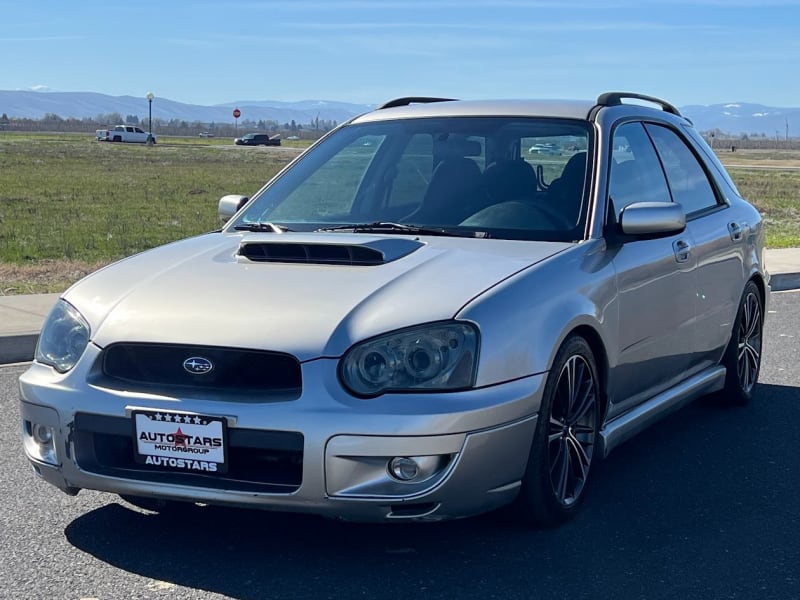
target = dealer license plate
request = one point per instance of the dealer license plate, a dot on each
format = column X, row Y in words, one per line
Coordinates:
column 180, row 441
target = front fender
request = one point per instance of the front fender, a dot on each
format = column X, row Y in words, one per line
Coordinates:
column 524, row 320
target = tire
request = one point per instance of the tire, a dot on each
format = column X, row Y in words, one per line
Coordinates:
column 742, row 358
column 566, row 437
column 157, row 505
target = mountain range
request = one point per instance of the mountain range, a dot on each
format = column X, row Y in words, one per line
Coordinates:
column 79, row 105
column 735, row 118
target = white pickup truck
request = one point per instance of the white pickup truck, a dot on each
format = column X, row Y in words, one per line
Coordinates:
column 123, row 133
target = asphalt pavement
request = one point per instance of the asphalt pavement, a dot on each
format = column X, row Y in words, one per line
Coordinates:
column 21, row 316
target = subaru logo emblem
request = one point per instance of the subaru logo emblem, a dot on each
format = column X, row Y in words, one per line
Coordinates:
column 197, row 365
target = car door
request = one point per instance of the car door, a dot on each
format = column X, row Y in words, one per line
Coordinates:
column 719, row 240
column 656, row 280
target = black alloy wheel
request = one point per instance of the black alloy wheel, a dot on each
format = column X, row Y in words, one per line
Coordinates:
column 566, row 437
column 572, row 430
column 742, row 358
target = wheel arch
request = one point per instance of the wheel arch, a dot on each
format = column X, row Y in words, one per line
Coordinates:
column 758, row 279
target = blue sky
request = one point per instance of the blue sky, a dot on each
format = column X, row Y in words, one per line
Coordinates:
column 366, row 51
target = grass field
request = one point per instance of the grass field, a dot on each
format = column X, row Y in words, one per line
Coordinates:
column 69, row 204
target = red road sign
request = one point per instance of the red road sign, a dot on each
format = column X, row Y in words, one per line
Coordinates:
column 236, row 113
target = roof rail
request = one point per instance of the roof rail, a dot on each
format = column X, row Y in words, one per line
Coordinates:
column 412, row 100
column 615, row 99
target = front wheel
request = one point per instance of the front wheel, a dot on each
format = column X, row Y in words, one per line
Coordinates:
column 565, row 440
column 742, row 358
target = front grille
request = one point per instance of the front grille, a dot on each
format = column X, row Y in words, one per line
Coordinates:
column 233, row 369
column 317, row 254
column 258, row 461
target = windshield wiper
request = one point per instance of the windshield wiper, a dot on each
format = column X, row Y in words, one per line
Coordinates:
column 388, row 227
column 262, row 226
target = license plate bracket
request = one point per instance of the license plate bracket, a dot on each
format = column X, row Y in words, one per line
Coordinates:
column 183, row 442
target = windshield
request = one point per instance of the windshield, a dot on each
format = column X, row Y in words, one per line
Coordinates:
column 499, row 177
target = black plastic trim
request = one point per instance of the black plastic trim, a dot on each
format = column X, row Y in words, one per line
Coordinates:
column 412, row 100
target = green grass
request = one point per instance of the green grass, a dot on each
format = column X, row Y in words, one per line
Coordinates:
column 67, row 196
column 69, row 204
column 776, row 193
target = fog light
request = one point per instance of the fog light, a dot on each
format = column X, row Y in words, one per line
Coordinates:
column 403, row 468
column 39, row 442
column 42, row 434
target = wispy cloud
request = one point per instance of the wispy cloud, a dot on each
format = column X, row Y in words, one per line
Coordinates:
column 41, row 38
column 559, row 27
column 415, row 6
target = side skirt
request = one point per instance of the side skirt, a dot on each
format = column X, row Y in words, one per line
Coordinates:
column 627, row 425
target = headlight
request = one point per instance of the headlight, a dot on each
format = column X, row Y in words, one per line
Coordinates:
column 64, row 337
column 436, row 356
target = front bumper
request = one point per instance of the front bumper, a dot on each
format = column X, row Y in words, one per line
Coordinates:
column 325, row 452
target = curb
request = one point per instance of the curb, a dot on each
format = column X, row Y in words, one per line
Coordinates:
column 17, row 348
column 783, row 282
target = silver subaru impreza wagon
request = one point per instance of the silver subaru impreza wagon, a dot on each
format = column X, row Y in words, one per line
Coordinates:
column 417, row 319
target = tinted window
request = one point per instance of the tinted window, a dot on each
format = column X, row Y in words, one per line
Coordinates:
column 330, row 191
column 414, row 170
column 687, row 179
column 636, row 173
column 470, row 174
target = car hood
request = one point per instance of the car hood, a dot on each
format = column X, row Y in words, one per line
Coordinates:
column 203, row 291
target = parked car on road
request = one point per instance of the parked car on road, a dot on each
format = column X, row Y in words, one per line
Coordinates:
column 545, row 148
column 258, row 139
column 427, row 326
column 124, row 133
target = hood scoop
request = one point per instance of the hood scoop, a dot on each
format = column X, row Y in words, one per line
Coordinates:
column 376, row 251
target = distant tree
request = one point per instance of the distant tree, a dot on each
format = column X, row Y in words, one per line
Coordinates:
column 132, row 120
column 109, row 119
column 4, row 121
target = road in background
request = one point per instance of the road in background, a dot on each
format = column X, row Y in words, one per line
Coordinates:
column 703, row 505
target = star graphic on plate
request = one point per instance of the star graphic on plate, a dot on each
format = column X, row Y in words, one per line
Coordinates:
column 180, row 438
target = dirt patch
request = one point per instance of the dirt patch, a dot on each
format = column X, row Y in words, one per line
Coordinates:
column 48, row 276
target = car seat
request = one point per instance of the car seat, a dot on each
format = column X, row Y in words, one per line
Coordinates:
column 454, row 191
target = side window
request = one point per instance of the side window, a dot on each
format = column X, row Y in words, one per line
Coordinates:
column 636, row 173
column 687, row 178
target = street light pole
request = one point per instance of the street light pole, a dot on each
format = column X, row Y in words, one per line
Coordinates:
column 150, row 97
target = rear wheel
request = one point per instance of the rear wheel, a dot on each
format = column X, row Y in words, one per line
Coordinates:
column 563, row 448
column 742, row 359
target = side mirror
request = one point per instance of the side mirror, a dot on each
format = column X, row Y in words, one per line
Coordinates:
column 652, row 219
column 229, row 205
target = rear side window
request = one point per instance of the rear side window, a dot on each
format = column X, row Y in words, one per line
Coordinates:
column 636, row 173
column 687, row 179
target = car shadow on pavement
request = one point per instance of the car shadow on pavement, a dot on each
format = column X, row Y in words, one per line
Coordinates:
column 706, row 486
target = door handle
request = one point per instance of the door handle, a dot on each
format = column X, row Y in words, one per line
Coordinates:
column 682, row 250
column 737, row 231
